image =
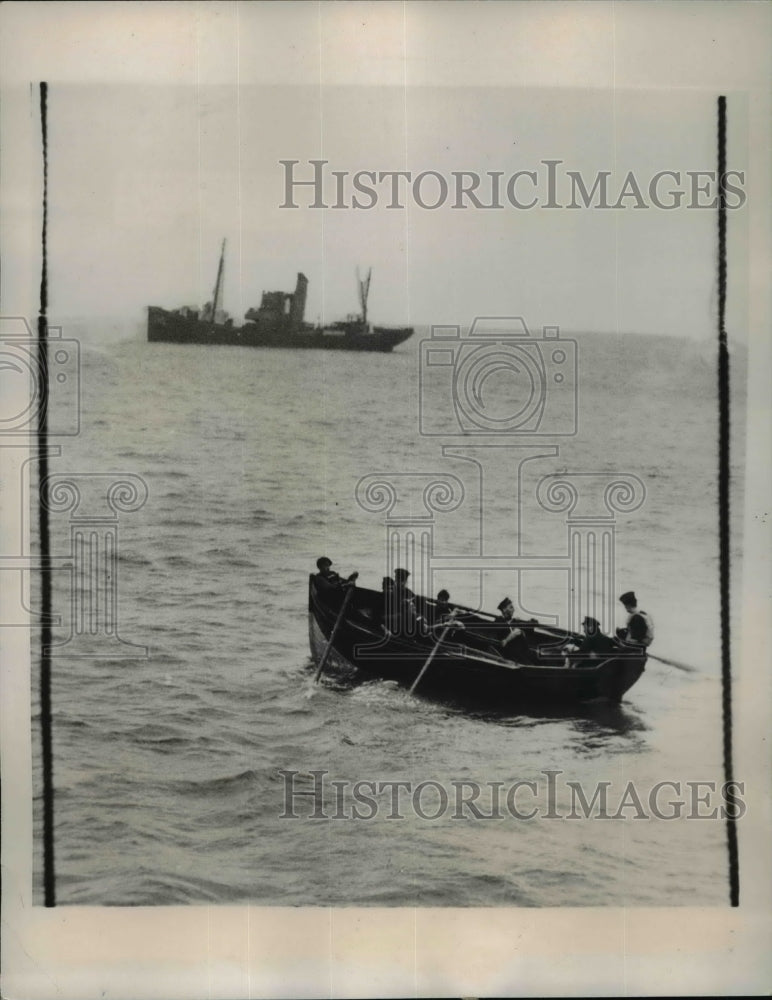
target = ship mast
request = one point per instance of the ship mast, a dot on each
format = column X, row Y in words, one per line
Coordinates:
column 218, row 283
column 364, row 291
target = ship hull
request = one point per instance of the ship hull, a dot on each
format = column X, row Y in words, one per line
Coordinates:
column 170, row 327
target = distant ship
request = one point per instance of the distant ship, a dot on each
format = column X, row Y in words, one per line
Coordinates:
column 279, row 322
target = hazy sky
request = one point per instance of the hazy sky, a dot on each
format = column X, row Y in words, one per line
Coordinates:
column 145, row 181
column 167, row 124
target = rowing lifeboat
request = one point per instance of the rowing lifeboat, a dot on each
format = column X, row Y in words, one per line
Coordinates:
column 468, row 664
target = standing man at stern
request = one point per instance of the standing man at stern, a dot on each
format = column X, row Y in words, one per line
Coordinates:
column 639, row 630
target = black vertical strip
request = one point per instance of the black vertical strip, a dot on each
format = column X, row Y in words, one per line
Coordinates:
column 724, row 554
column 49, row 884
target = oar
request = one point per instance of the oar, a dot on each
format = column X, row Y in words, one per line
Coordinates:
column 673, row 663
column 335, row 627
column 433, row 653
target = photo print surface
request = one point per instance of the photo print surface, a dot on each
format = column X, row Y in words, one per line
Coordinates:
column 384, row 508
column 494, row 367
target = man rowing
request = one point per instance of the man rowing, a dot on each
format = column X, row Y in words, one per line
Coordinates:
column 400, row 615
column 443, row 609
column 329, row 583
column 442, row 615
column 513, row 643
column 593, row 646
column 404, row 593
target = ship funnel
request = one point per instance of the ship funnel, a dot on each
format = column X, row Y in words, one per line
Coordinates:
column 298, row 304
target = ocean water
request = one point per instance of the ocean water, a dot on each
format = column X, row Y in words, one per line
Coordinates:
column 167, row 768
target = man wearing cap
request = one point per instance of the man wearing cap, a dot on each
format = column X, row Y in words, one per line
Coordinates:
column 442, row 608
column 443, row 614
column 404, row 616
column 400, row 583
column 513, row 643
column 639, row 630
column 594, row 645
column 328, row 582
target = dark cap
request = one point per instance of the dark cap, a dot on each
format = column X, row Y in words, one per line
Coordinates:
column 504, row 603
column 593, row 623
column 323, row 561
column 628, row 598
column 401, row 574
column 443, row 596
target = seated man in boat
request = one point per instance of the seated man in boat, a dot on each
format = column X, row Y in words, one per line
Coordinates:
column 443, row 614
column 593, row 646
column 398, row 605
column 442, row 608
column 400, row 612
column 329, row 584
column 389, row 618
column 513, row 643
column 401, row 588
column 639, row 630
